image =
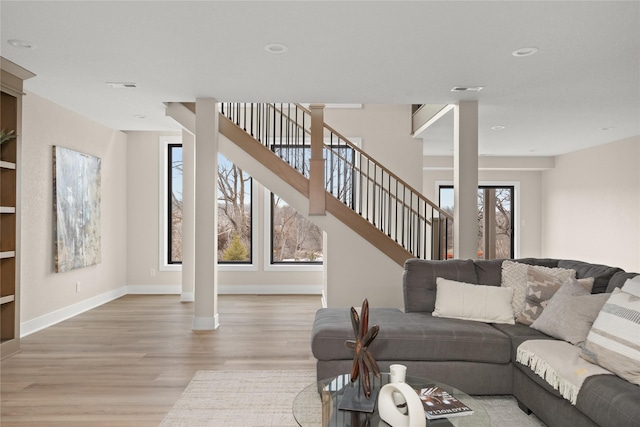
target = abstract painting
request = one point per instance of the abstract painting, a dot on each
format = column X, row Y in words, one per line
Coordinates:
column 76, row 209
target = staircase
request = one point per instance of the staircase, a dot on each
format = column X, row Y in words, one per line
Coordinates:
column 357, row 189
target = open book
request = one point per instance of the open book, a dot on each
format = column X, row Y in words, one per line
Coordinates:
column 438, row 403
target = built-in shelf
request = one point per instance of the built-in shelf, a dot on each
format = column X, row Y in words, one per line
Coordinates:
column 12, row 77
column 7, row 299
column 7, row 254
column 7, row 165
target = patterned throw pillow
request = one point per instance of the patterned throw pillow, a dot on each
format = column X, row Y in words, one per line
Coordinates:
column 514, row 275
column 540, row 288
column 615, row 336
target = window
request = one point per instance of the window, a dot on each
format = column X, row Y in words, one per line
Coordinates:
column 234, row 213
column 294, row 238
column 495, row 220
column 174, row 245
column 234, row 210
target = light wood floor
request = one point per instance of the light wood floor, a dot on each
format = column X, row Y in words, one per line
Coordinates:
column 127, row 362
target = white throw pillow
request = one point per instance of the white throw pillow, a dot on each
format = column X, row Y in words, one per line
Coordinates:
column 459, row 300
column 514, row 275
column 632, row 286
column 614, row 339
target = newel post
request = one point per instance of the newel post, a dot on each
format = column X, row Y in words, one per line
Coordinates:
column 316, row 167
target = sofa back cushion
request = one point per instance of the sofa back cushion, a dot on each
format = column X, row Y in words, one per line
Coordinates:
column 619, row 279
column 419, row 280
column 489, row 271
column 601, row 273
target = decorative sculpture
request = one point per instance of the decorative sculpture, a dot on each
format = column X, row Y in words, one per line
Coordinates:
column 389, row 412
column 363, row 361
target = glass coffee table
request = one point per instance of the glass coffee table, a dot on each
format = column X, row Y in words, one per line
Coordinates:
column 308, row 407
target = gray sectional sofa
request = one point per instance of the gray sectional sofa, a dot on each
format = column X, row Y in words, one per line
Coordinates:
column 477, row 358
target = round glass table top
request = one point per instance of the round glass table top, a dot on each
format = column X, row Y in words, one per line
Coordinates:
column 308, row 405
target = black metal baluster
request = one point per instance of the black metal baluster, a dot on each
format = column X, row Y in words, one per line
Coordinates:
column 368, row 176
column 360, row 172
column 389, row 209
column 404, row 208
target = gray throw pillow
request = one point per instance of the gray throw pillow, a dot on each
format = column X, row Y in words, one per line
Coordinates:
column 541, row 287
column 570, row 313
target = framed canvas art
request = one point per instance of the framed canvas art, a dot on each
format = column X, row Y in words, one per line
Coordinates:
column 76, row 209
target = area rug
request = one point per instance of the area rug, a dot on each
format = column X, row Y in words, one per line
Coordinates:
column 264, row 399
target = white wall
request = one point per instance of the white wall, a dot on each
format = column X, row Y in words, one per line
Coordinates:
column 44, row 292
column 528, row 199
column 591, row 205
column 144, row 240
column 385, row 131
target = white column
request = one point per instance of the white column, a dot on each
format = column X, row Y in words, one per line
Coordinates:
column 465, row 180
column 188, row 216
column 206, row 216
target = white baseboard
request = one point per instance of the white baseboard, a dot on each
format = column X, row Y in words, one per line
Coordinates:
column 270, row 289
column 228, row 290
column 42, row 322
column 50, row 319
column 154, row 289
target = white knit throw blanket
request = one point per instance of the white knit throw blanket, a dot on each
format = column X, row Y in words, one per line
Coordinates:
column 559, row 363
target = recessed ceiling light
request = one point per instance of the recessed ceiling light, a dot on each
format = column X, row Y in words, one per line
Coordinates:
column 497, row 127
column 525, row 51
column 20, row 44
column 122, row 85
column 139, row 116
column 606, row 128
column 275, row 48
column 467, row 88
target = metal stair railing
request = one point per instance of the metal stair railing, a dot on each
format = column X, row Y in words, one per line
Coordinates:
column 351, row 175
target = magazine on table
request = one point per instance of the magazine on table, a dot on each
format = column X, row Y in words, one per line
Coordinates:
column 438, row 403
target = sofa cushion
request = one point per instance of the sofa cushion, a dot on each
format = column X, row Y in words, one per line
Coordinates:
column 610, row 401
column 518, row 334
column 570, row 313
column 419, row 280
column 410, row 336
column 601, row 273
column 489, row 271
column 482, row 303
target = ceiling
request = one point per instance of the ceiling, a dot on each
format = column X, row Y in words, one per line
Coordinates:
column 584, row 78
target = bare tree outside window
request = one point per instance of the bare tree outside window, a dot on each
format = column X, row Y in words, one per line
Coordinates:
column 175, row 205
column 295, row 239
column 234, row 210
column 495, row 220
